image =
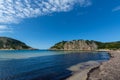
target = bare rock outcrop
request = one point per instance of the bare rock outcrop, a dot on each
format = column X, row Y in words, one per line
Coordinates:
column 80, row 45
column 75, row 45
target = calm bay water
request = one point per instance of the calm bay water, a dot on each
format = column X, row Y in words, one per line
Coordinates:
column 42, row 64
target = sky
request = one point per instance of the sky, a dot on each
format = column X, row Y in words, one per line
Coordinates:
column 42, row 23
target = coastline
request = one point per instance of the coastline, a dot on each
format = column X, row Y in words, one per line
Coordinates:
column 87, row 68
column 108, row 70
column 80, row 71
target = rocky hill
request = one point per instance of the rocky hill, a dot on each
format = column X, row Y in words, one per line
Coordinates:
column 85, row 45
column 75, row 45
column 9, row 43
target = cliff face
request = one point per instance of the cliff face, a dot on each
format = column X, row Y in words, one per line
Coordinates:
column 80, row 45
column 9, row 43
column 75, row 45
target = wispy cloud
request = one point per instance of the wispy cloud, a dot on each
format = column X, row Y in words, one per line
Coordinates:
column 5, row 29
column 12, row 11
column 116, row 8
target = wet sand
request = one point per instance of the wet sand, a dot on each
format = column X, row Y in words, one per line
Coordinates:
column 81, row 70
column 109, row 70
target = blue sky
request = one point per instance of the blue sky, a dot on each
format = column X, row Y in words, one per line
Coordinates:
column 42, row 23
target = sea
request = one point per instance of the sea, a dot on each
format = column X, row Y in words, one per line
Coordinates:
column 43, row 64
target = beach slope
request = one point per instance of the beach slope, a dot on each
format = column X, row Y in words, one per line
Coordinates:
column 109, row 70
column 81, row 70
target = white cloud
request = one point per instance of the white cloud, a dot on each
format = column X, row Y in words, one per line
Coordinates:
column 5, row 29
column 12, row 11
column 116, row 8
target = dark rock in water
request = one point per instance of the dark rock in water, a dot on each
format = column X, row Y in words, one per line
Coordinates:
column 75, row 45
column 9, row 43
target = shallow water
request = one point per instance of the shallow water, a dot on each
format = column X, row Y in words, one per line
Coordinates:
column 42, row 64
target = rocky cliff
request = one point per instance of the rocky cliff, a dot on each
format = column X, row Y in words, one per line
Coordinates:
column 9, row 43
column 75, row 45
column 85, row 45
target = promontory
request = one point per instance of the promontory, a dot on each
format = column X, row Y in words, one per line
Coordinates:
column 7, row 43
column 85, row 45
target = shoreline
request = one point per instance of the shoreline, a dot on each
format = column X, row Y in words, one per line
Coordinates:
column 80, row 71
column 107, row 70
column 84, row 74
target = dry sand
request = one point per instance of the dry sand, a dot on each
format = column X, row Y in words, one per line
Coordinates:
column 109, row 70
column 92, row 70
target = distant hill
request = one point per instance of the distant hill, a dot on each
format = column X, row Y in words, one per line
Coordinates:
column 85, row 45
column 9, row 43
column 108, row 45
column 75, row 45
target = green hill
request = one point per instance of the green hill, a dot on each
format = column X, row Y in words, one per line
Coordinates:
column 108, row 45
column 9, row 43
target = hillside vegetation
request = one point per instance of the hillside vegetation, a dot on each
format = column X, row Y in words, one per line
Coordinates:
column 9, row 43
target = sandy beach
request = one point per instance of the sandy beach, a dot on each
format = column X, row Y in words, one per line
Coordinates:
column 81, row 70
column 109, row 70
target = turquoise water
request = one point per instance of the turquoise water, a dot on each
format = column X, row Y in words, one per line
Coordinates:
column 42, row 64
